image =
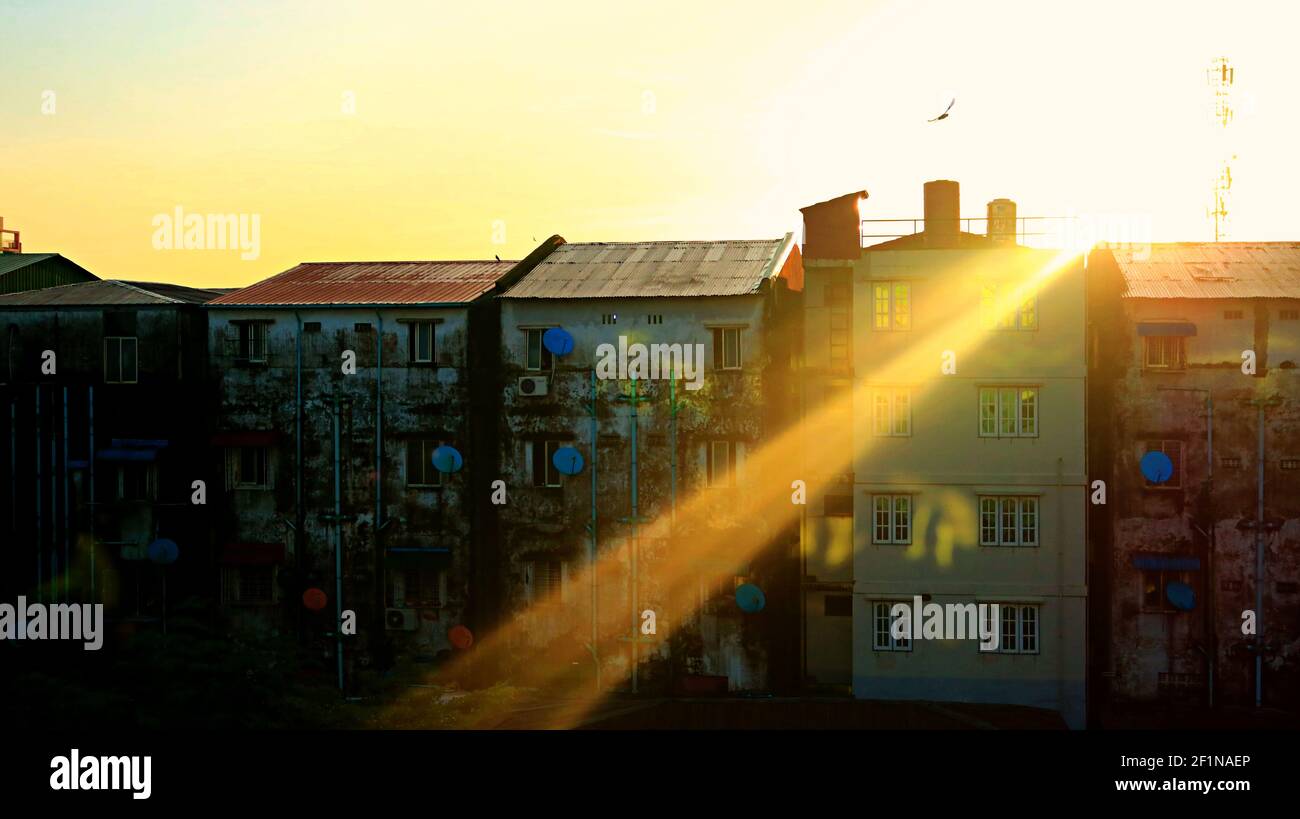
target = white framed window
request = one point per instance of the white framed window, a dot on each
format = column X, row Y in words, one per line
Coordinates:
column 1008, row 521
column 419, row 463
column 721, row 466
column 1008, row 412
column 726, row 348
column 417, row 588
column 539, row 455
column 882, row 638
column 995, row 316
column 891, row 519
column 420, row 341
column 891, row 413
column 538, row 357
column 1163, row 352
column 1174, row 449
column 247, row 467
column 248, row 584
column 121, row 361
column 546, row 581
column 891, row 305
column 1019, row 629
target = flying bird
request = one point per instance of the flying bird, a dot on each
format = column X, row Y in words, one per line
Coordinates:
column 944, row 115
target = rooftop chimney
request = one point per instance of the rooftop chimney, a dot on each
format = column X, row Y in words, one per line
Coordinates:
column 942, row 213
column 1002, row 222
column 833, row 229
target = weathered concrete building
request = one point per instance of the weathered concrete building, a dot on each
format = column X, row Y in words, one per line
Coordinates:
column 1192, row 346
column 334, row 385
column 102, row 439
column 964, row 465
column 660, row 496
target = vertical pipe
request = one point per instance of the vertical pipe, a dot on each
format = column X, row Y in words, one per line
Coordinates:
column 299, row 517
column 632, row 546
column 90, row 458
column 40, row 556
column 54, row 507
column 1212, row 647
column 338, row 551
column 1259, row 566
column 593, row 565
column 66, row 549
column 13, row 470
column 380, row 563
column 672, row 452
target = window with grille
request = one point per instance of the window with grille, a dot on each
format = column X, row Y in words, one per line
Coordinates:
column 420, row 470
column 135, row 482
column 1008, row 412
column 539, row 358
column 891, row 411
column 1154, row 586
column 1164, row 352
column 251, row 341
column 540, row 456
column 545, row 581
column 891, row 519
column 247, row 467
column 416, row 588
column 996, row 315
column 248, row 584
column 721, row 464
column 882, row 634
column 1008, row 521
column 121, row 362
column 726, row 348
column 1019, row 629
column 420, row 342
column 891, row 306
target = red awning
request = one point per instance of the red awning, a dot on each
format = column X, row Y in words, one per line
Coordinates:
column 248, row 438
column 252, row 554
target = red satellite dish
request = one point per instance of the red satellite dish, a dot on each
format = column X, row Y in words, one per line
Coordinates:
column 460, row 637
column 314, row 599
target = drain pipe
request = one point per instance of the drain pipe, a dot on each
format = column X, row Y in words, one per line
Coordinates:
column 338, row 551
column 594, row 564
column 380, row 578
column 1259, row 566
column 40, row 542
column 90, row 458
column 67, row 562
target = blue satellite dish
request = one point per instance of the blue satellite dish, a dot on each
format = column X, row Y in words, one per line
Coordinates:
column 750, row 598
column 567, row 460
column 163, row 551
column 1181, row 596
column 558, row 340
column 447, row 460
column 1156, row 467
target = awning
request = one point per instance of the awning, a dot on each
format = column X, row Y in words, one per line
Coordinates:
column 1166, row 328
column 246, row 438
column 417, row 559
column 144, row 455
column 252, row 554
column 1169, row 563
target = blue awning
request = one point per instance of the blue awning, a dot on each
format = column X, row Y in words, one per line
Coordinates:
column 1166, row 328
column 1169, row 563
column 143, row 455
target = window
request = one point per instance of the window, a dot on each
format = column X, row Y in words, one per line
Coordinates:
column 1019, row 629
column 540, row 455
column 1290, row 463
column 1230, row 463
column 248, row 584
column 1007, row 412
column 609, row 318
column 311, row 326
column 882, row 634
column 891, row 306
column 837, row 506
column 726, row 348
column 655, row 318
column 134, row 482
column 995, row 316
column 1288, row 315
column 362, row 327
column 892, row 411
column 246, row 467
column 419, row 463
column 891, row 519
column 420, row 342
column 252, row 345
column 539, row 358
column 1232, row 314
column 1154, row 584
column 1008, row 521
column 837, row 605
column 120, row 361
column 1164, row 352
column 1174, row 449
column 546, row 581
column 721, row 464
column 417, row 588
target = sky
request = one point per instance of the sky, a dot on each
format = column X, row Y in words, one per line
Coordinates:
column 435, row 130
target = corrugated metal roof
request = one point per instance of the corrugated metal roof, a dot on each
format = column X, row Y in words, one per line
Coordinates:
column 1213, row 270
column 108, row 292
column 13, row 261
column 641, row 269
column 372, row 283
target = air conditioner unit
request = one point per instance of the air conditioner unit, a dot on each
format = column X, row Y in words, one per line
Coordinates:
column 532, row 385
column 400, row 619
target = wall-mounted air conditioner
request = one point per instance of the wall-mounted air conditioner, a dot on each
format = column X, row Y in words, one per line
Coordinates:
column 532, row 385
column 400, row 619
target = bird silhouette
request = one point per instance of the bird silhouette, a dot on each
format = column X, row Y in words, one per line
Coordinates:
column 498, row 257
column 944, row 115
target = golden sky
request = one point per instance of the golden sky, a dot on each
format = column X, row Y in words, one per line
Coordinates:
column 607, row 121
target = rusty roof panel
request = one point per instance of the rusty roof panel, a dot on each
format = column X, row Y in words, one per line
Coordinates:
column 457, row 282
column 1213, row 270
column 109, row 292
column 649, row 269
